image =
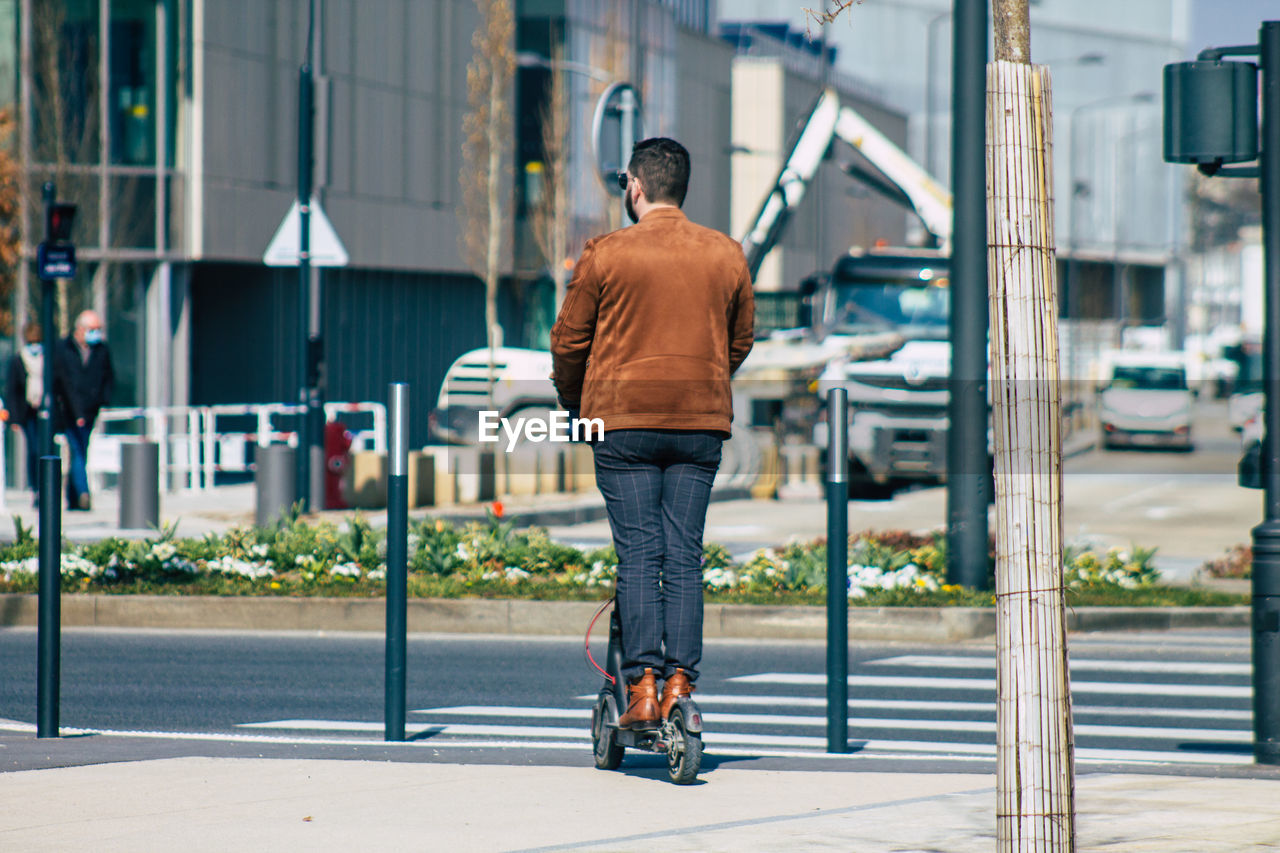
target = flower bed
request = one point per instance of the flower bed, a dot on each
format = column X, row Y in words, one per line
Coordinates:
column 494, row 558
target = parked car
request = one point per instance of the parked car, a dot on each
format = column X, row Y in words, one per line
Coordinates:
column 1146, row 401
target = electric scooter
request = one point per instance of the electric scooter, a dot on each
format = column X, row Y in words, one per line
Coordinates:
column 679, row 736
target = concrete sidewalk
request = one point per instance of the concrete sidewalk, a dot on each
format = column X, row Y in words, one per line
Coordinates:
column 197, row 804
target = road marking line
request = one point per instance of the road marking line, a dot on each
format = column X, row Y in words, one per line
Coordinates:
column 1218, row 691
column 882, row 750
column 977, row 726
column 712, row 738
column 1090, row 665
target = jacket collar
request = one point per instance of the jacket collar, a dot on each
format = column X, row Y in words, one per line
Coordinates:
column 663, row 213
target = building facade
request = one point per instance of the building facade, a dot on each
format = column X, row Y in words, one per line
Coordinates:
column 172, row 124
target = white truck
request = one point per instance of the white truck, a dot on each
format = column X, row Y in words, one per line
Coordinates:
column 898, row 396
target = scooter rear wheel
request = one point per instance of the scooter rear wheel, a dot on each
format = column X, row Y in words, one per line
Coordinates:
column 604, row 738
column 684, row 753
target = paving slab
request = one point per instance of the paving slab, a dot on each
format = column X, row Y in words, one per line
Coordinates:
column 198, row 804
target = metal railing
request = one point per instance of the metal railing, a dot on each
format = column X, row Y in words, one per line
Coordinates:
column 197, row 442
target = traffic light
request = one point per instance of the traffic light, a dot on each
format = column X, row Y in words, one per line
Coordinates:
column 58, row 220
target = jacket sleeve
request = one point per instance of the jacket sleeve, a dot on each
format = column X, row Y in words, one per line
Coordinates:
column 15, row 386
column 575, row 329
column 64, row 387
column 742, row 321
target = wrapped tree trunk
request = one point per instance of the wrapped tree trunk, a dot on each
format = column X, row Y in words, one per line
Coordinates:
column 1035, row 776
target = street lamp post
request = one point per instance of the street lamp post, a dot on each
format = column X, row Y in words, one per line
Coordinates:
column 1211, row 118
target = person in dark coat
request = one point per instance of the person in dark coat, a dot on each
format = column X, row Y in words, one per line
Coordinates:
column 82, row 383
column 23, row 391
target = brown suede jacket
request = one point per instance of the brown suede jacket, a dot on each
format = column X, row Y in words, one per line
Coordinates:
column 657, row 317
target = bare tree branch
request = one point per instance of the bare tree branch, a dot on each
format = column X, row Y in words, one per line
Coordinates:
column 486, row 154
column 828, row 13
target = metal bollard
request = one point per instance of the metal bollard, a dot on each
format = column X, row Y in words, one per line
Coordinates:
column 275, row 482
column 488, row 476
column 397, row 562
column 837, row 571
column 49, row 631
column 139, row 485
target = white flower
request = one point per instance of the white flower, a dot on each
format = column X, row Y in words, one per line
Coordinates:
column 234, row 566
column 260, row 550
column 181, row 565
column 720, row 578
column 73, row 564
column 346, row 570
column 378, row 574
column 29, row 566
column 162, row 551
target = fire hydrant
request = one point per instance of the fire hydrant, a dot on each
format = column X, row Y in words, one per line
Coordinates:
column 337, row 459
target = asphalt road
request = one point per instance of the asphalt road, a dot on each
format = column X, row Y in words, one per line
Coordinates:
column 1176, row 701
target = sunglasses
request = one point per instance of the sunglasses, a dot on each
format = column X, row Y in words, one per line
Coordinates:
column 623, row 180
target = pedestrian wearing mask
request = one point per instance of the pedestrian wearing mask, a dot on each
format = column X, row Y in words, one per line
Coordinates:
column 25, row 389
column 657, row 318
column 83, row 380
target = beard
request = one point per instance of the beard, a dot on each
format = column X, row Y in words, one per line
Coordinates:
column 631, row 209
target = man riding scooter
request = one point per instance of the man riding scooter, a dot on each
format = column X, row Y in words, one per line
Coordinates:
column 657, row 318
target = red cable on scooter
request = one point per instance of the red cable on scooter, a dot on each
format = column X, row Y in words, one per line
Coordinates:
column 587, row 641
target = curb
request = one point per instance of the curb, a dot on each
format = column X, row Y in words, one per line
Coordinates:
column 570, row 618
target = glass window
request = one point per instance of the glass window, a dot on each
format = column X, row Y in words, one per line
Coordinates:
column 65, row 48
column 126, row 308
column 132, row 100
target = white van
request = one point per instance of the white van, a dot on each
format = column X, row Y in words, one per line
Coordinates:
column 1146, row 400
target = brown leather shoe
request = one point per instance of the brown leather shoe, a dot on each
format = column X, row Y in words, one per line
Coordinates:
column 642, row 705
column 676, row 686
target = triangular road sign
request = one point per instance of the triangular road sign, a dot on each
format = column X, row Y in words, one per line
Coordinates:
column 326, row 248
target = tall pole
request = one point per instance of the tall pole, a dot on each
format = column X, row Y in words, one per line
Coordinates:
column 397, row 564
column 49, row 334
column 49, row 601
column 968, row 485
column 1266, row 536
column 838, row 571
column 305, row 94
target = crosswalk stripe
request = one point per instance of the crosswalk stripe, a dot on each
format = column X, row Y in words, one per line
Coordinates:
column 862, row 750
column 733, row 739
column 1220, row 691
column 1084, row 665
column 978, row 726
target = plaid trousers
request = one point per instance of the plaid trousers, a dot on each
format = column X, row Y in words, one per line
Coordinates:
column 656, row 486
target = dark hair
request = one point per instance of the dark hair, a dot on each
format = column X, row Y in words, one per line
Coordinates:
column 662, row 165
